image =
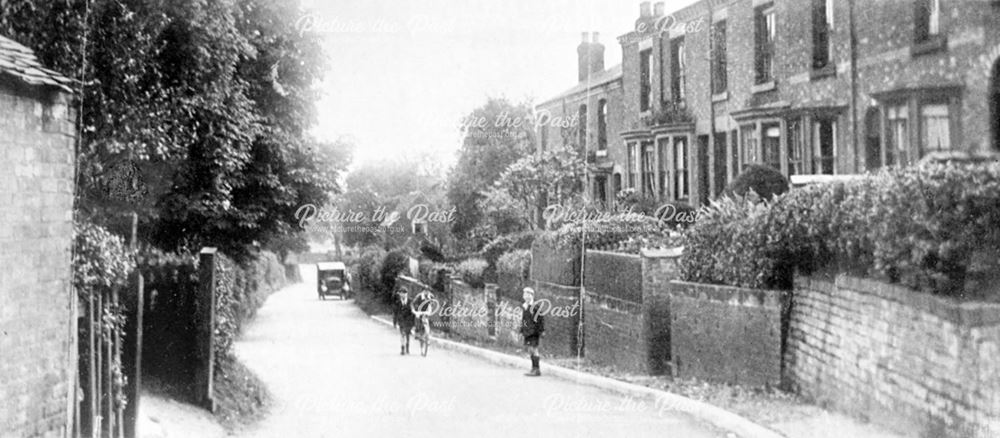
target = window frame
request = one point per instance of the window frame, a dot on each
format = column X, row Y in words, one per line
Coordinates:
column 678, row 70
column 646, row 79
column 602, row 124
column 764, row 42
column 720, row 79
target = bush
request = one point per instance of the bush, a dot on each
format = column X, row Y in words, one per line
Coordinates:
column 516, row 263
column 369, row 268
column 766, row 181
column 624, row 233
column 396, row 261
column 471, row 272
column 101, row 259
column 922, row 226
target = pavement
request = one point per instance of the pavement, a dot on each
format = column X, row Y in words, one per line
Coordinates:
column 333, row 372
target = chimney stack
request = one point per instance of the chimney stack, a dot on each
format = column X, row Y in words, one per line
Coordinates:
column 590, row 55
column 644, row 10
column 659, row 8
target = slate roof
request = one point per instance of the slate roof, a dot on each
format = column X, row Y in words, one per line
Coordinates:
column 610, row 75
column 20, row 63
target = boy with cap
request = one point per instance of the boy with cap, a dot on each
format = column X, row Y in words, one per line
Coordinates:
column 532, row 328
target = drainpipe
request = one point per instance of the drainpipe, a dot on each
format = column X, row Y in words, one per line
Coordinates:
column 854, row 87
column 711, row 104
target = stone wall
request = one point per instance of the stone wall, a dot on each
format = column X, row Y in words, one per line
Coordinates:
column 562, row 318
column 921, row 364
column 468, row 312
column 37, row 303
column 727, row 334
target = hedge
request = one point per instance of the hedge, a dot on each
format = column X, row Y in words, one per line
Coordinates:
column 472, row 271
column 922, row 226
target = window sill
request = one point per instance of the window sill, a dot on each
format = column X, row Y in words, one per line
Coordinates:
column 830, row 70
column 720, row 97
column 937, row 43
column 764, row 87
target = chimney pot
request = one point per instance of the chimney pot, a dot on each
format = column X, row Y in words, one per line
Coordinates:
column 595, row 36
column 585, row 38
column 659, row 8
column 645, row 9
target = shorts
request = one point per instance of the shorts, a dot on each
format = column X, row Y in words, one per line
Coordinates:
column 531, row 341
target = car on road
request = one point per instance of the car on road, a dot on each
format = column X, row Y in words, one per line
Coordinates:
column 333, row 279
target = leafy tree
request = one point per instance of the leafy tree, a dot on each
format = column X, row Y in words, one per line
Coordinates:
column 495, row 136
column 554, row 177
column 193, row 113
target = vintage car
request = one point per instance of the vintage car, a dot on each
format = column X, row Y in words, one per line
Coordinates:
column 333, row 279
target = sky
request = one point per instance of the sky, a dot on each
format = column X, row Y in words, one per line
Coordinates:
column 404, row 73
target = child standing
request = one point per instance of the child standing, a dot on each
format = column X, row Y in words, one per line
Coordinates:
column 532, row 328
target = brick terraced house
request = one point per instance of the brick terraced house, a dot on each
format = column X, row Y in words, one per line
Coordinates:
column 810, row 87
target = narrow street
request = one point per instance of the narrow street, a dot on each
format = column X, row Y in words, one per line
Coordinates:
column 335, row 372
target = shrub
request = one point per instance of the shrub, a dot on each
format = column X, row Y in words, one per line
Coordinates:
column 516, row 263
column 369, row 267
column 432, row 251
column 101, row 259
column 676, row 215
column 730, row 245
column 922, row 226
column 396, row 261
column 471, row 272
column 766, row 181
column 625, row 233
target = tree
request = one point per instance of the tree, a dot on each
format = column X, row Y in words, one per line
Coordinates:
column 554, row 177
column 194, row 114
column 495, row 136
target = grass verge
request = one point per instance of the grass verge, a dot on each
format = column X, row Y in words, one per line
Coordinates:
column 241, row 398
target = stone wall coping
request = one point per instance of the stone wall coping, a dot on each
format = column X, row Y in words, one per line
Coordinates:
column 620, row 305
column 555, row 286
column 662, row 253
column 613, row 253
column 725, row 294
column 966, row 314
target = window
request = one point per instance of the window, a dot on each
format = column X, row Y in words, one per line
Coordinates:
column 664, row 151
column 765, row 35
column 771, row 145
column 602, row 124
column 822, row 28
column 826, row 140
column 796, row 146
column 896, row 134
column 935, row 132
column 419, row 227
column 678, row 68
column 682, row 189
column 633, row 164
column 748, row 148
column 928, row 20
column 645, row 79
column 648, row 169
column 616, row 182
column 719, row 72
column 582, row 129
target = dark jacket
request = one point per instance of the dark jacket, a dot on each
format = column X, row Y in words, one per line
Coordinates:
column 532, row 321
column 402, row 316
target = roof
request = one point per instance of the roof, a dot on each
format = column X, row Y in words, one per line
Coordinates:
column 20, row 62
column 607, row 76
column 330, row 266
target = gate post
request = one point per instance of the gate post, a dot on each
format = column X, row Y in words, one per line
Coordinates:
column 206, row 328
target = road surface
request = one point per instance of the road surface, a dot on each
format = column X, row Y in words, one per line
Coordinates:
column 336, row 373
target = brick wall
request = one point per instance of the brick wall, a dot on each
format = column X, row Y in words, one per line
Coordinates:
column 37, row 308
column 726, row 334
column 554, row 265
column 613, row 331
column 921, row 364
column 469, row 311
column 614, row 274
column 508, row 322
column 562, row 335
column 632, row 335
